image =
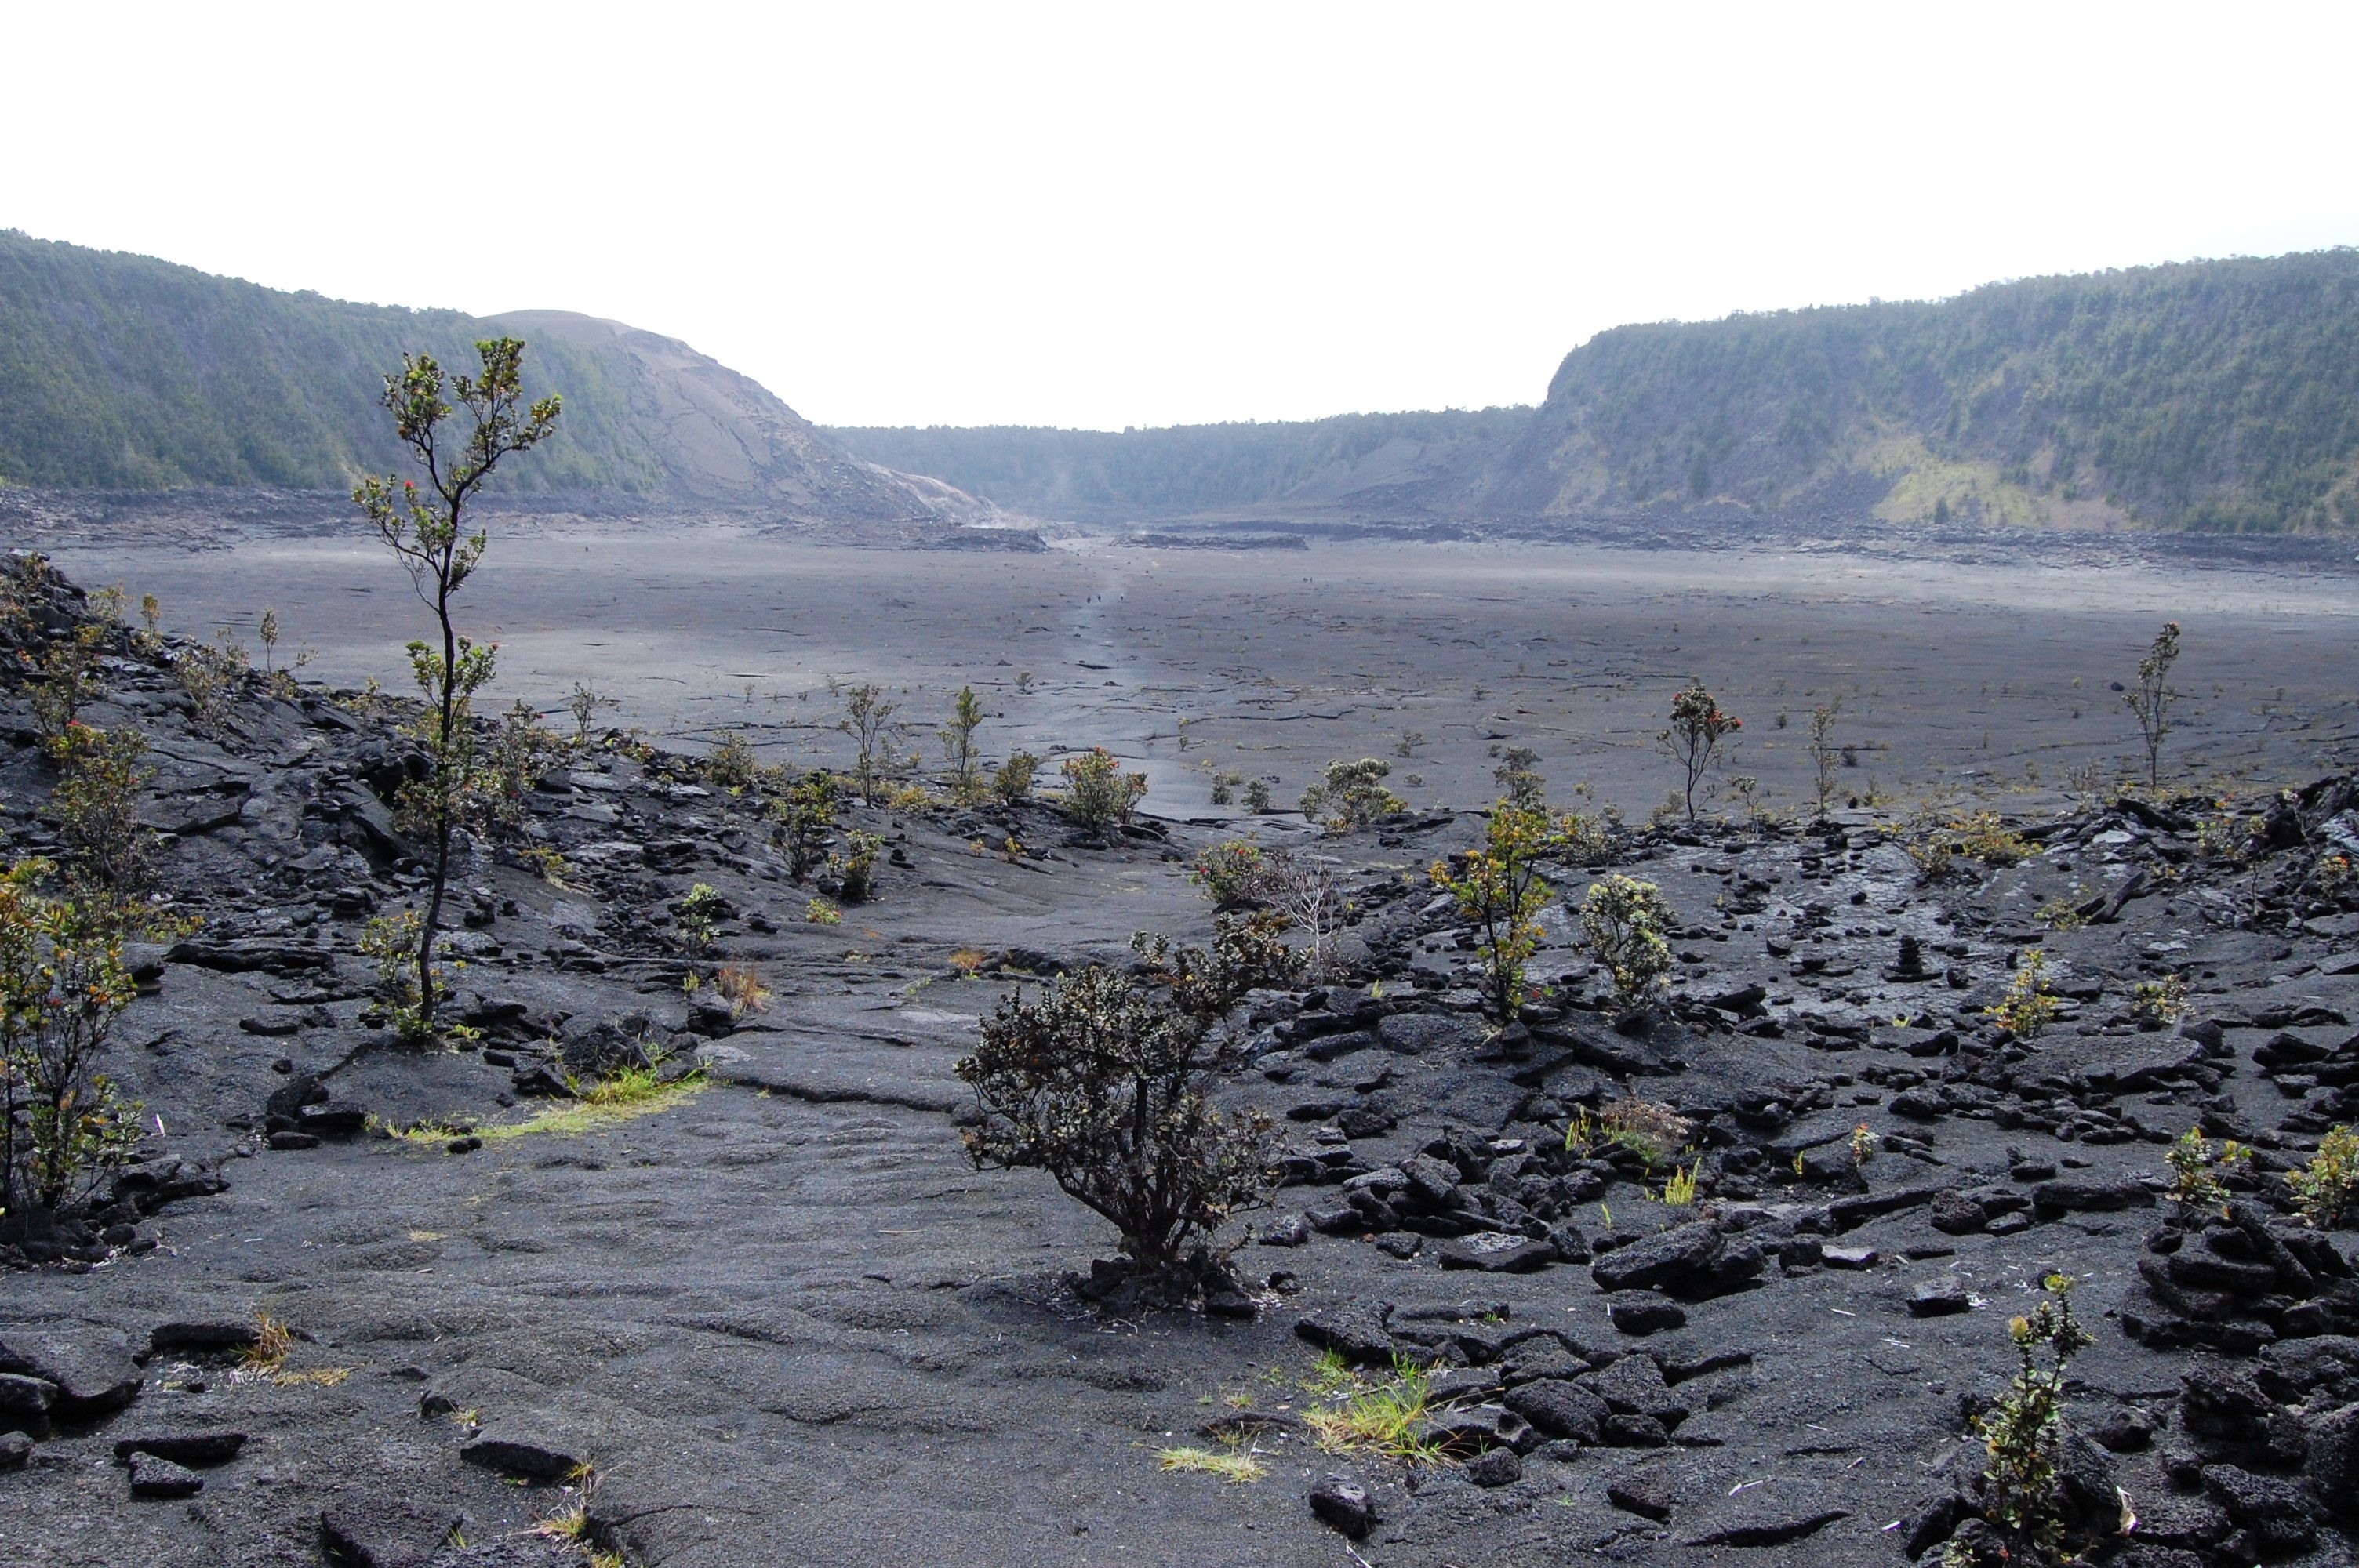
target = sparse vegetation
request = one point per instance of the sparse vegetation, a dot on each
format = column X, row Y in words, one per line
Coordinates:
column 1518, row 776
column 1304, row 888
column 2159, row 1003
column 869, row 717
column 1826, row 755
column 97, row 801
column 1013, row 781
column 1231, row 1465
column 854, row 867
column 1941, row 846
column 1383, row 1417
column 732, row 764
column 585, row 704
column 958, row 755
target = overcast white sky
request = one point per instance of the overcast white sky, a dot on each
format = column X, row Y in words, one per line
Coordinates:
column 1118, row 214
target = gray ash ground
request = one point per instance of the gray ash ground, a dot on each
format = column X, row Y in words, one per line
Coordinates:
column 787, row 1322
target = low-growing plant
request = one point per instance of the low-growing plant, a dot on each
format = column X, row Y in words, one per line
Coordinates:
column 1257, row 796
column 1387, row 1416
column 732, row 764
column 854, row 867
column 1624, row 921
column 1680, row 1189
column 2029, row 1006
column 546, row 863
column 1863, row 1144
column 2326, row 1189
column 696, row 918
column 1942, row 847
column 584, row 703
column 62, row 985
column 1352, row 794
column 819, row 912
column 1013, row 781
column 1498, row 887
column 804, row 822
column 2162, row 1001
column 2023, row 1438
column 1103, row 1083
column 389, row 942
column 1099, row 797
column 210, row 674
column 1231, row 1465
column 518, row 754
column 2195, row 1166
column 1231, row 874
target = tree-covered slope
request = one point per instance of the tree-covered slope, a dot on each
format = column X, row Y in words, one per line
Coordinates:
column 120, row 371
column 1352, row 461
column 2208, row 394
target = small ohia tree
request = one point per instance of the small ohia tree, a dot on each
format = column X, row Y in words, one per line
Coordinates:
column 1498, row 887
column 426, row 530
column 2151, row 700
column 958, row 746
column 1825, row 754
column 62, row 985
column 1102, row 1082
column 1624, row 920
column 1693, row 740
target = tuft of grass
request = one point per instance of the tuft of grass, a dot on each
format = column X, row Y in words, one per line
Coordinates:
column 741, row 989
column 272, row 1344
column 1680, row 1190
column 1234, row 1466
column 967, row 960
column 316, row 1377
column 1381, row 1417
column 627, row 1096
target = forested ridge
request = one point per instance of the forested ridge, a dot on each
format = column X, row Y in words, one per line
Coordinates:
column 2205, row 395
column 1182, row 469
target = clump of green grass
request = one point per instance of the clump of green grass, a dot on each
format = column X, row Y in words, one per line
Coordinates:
column 628, row 1095
column 1382, row 1417
column 1235, row 1466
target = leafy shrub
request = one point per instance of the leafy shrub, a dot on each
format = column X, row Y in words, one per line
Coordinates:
column 1013, row 782
column 2327, row 1188
column 868, row 719
column 1645, row 1128
column 805, row 821
column 519, row 753
column 2195, row 1167
column 1099, row 797
column 584, row 703
column 855, row 869
column 2029, row 1006
column 1498, row 887
column 389, row 942
column 208, row 675
column 1231, row 874
column 1693, row 740
column 1518, row 774
column 696, row 918
column 1942, row 847
column 1624, row 920
column 97, row 802
column 731, row 763
column 1102, row 1082
column 1257, row 796
column 1352, row 794
column 2162, row 1001
column 958, row 746
column 819, row 912
column 2022, row 1435
column 62, row 985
